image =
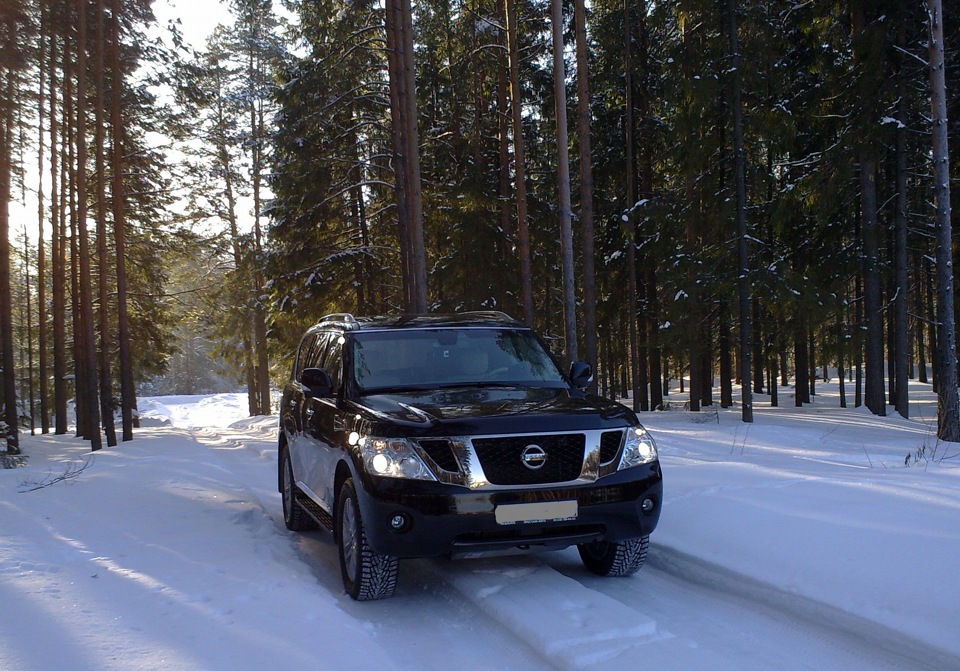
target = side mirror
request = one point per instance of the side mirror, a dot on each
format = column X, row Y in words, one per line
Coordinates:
column 581, row 374
column 317, row 381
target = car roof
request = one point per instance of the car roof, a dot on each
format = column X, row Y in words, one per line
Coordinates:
column 347, row 322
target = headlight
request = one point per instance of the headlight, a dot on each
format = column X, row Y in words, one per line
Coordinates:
column 392, row 458
column 638, row 448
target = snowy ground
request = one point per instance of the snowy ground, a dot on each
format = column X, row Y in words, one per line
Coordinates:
column 802, row 541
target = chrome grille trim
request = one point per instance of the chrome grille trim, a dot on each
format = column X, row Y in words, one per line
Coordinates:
column 471, row 473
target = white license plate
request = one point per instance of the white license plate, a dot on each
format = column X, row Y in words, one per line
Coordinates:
column 546, row 511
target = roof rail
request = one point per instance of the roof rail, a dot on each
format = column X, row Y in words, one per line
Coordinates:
column 342, row 318
column 496, row 313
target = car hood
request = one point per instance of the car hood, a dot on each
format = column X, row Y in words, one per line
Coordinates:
column 478, row 410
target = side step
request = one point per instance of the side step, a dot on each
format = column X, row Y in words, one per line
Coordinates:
column 315, row 511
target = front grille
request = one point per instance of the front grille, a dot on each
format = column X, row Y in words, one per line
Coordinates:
column 610, row 445
column 502, row 463
column 439, row 450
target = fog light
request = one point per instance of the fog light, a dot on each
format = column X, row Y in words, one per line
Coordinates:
column 398, row 522
column 647, row 505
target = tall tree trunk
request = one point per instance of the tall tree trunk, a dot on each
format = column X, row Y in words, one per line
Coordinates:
column 874, row 396
column 415, row 223
column 258, row 136
column 253, row 401
column 87, row 386
column 801, row 388
column 774, row 378
column 651, row 314
column 743, row 252
column 106, row 341
column 726, row 363
column 364, row 278
column 586, row 190
column 28, row 320
column 504, row 280
column 812, row 362
column 563, row 178
column 128, row 394
column 858, row 351
column 520, row 164
column 840, row 370
column 706, row 362
column 403, row 96
column 394, row 33
column 692, row 219
column 11, row 435
column 921, row 303
column 58, row 259
column 43, row 335
column 931, row 314
column 629, row 223
column 948, row 405
column 758, row 343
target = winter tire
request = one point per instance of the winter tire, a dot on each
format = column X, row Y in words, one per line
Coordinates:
column 615, row 559
column 294, row 516
column 367, row 575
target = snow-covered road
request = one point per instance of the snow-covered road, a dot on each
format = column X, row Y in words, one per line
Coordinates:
column 170, row 553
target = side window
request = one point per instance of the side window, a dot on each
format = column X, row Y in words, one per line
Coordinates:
column 303, row 355
column 334, row 360
column 318, row 350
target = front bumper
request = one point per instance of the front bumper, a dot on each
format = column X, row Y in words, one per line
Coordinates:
column 441, row 519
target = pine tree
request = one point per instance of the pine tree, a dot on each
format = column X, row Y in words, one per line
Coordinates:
column 948, row 405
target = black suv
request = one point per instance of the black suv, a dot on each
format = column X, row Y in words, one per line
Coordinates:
column 432, row 435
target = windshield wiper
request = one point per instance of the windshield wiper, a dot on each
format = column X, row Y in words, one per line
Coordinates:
column 478, row 384
column 396, row 389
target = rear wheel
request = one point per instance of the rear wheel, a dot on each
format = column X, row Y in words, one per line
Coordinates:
column 294, row 516
column 367, row 575
column 615, row 559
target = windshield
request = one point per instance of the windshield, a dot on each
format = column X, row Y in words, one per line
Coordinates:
column 450, row 357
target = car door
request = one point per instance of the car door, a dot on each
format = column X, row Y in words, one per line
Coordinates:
column 303, row 450
column 323, row 426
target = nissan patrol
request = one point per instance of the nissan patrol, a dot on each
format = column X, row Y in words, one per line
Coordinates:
column 432, row 435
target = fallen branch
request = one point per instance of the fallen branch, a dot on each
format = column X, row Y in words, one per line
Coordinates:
column 71, row 472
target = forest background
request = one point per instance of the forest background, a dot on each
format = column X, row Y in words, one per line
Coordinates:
column 751, row 193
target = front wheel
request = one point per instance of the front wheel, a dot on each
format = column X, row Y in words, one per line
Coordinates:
column 367, row 575
column 615, row 559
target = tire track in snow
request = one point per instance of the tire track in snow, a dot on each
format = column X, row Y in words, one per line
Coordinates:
column 570, row 625
column 423, row 622
column 898, row 646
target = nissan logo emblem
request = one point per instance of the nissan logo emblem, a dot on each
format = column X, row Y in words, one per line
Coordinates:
column 533, row 457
